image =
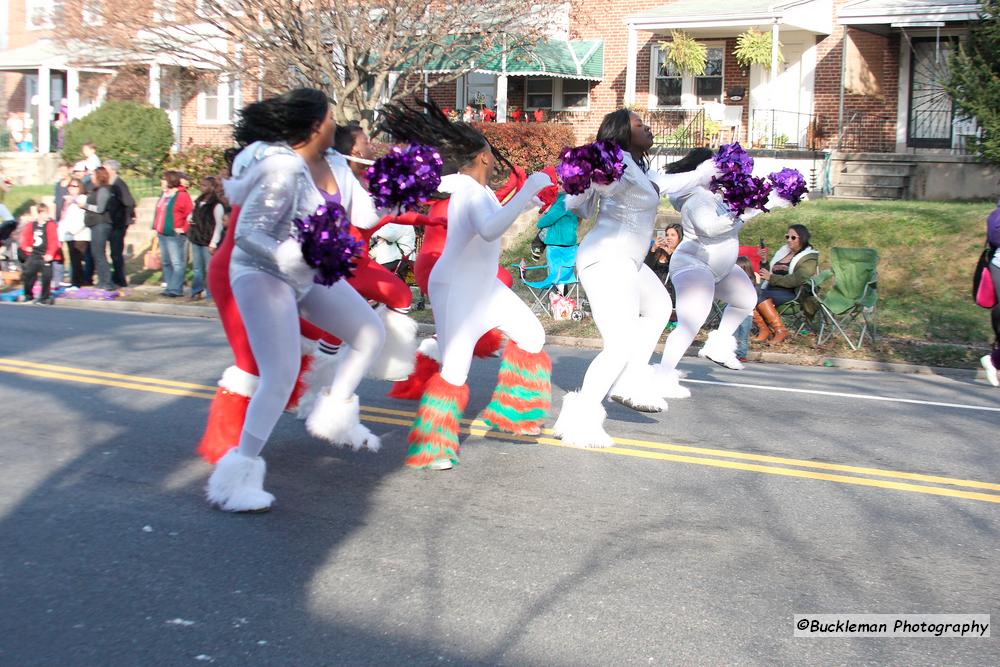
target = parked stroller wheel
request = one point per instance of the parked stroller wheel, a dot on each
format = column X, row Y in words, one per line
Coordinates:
column 577, row 315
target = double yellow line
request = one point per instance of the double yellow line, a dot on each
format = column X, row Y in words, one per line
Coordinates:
column 717, row 458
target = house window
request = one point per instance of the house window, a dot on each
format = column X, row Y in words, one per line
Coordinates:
column 669, row 81
column 575, row 94
column 219, row 99
column 539, row 93
column 91, row 12
column 558, row 94
column 708, row 86
column 42, row 14
column 669, row 87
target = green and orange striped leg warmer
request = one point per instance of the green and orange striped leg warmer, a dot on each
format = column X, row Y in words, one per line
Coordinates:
column 523, row 394
column 434, row 434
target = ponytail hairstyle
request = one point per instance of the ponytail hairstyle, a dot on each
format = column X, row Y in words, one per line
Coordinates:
column 457, row 142
column 694, row 157
column 290, row 118
column 616, row 127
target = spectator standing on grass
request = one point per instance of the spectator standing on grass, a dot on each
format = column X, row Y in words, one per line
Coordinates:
column 74, row 232
column 40, row 244
column 205, row 234
column 122, row 211
column 61, row 189
column 171, row 225
column 991, row 362
column 98, row 219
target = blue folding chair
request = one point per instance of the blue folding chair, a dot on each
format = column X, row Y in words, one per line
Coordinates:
column 560, row 272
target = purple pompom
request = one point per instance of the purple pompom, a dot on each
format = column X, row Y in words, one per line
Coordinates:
column 602, row 162
column 327, row 243
column 404, row 177
column 789, row 184
column 732, row 159
column 740, row 189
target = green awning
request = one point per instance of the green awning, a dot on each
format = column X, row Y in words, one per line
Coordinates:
column 565, row 59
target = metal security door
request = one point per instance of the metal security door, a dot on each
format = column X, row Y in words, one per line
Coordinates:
column 931, row 108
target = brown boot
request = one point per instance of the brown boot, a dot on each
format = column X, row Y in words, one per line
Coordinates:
column 773, row 319
column 763, row 331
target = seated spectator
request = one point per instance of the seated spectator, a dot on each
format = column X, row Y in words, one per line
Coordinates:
column 792, row 265
column 743, row 331
column 658, row 258
column 40, row 245
column 393, row 243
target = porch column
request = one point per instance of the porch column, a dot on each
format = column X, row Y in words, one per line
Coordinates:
column 44, row 109
column 502, row 98
column 631, row 54
column 72, row 93
column 154, row 85
column 774, row 65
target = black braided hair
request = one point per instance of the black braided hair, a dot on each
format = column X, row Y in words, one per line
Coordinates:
column 290, row 117
column 458, row 142
column 688, row 163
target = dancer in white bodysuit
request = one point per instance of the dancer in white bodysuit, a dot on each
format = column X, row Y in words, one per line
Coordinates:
column 631, row 307
column 281, row 175
column 702, row 269
column 468, row 299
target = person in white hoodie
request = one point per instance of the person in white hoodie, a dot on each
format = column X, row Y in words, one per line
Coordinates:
column 282, row 174
column 74, row 232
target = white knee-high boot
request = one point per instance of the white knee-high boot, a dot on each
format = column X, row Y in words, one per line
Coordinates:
column 339, row 422
column 237, row 484
column 721, row 349
column 395, row 361
column 581, row 423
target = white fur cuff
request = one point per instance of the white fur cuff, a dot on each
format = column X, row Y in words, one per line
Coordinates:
column 239, row 381
column 396, row 360
column 288, row 255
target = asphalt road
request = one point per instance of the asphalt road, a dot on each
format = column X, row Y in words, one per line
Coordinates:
column 771, row 492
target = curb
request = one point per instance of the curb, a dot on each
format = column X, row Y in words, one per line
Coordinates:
column 426, row 329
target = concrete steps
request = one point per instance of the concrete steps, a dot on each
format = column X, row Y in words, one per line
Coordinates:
column 874, row 179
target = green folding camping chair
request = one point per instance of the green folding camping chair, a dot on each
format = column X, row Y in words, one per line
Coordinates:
column 853, row 297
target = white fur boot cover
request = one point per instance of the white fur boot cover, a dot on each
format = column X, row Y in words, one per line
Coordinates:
column 317, row 378
column 239, row 381
column 395, row 361
column 429, row 348
column 635, row 389
column 722, row 350
column 581, row 424
column 338, row 421
column 668, row 383
column 237, row 484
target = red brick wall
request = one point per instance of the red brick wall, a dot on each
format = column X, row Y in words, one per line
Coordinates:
column 874, row 116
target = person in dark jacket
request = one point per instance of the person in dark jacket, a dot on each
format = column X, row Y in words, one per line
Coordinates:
column 121, row 208
column 205, row 234
column 98, row 219
column 991, row 362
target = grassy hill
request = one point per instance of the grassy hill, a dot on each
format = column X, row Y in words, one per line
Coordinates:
column 927, row 253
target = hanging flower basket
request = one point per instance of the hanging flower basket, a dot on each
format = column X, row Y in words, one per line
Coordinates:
column 754, row 48
column 685, row 53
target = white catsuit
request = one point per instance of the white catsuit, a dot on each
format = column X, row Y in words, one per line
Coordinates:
column 631, row 307
column 703, row 268
column 467, row 297
column 273, row 186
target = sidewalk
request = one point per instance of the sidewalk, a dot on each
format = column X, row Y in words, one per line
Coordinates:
column 798, row 358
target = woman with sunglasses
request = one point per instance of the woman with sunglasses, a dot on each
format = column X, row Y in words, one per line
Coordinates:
column 792, row 265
